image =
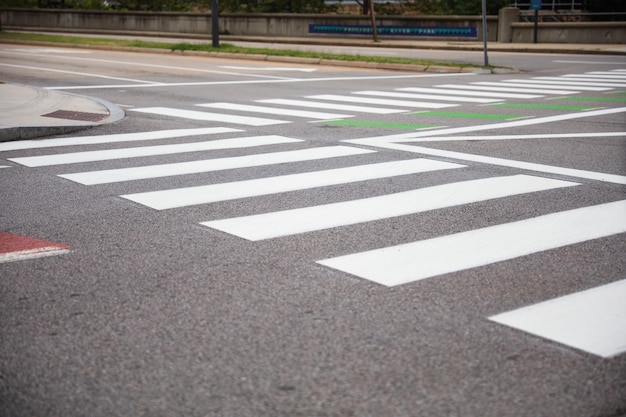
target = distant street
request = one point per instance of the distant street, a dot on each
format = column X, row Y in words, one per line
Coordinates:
column 276, row 239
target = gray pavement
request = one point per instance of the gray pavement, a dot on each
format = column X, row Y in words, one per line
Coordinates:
column 27, row 112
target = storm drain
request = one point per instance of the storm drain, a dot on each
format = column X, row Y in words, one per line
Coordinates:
column 76, row 115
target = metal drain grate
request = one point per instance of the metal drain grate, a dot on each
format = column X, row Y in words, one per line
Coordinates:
column 76, row 115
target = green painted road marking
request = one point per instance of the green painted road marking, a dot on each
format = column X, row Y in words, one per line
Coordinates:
column 385, row 125
column 470, row 115
column 541, row 106
column 613, row 99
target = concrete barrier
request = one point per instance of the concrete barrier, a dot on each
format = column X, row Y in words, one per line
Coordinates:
column 502, row 28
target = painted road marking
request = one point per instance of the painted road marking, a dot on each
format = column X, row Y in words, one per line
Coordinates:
column 308, row 219
column 210, row 165
column 467, row 93
column 122, row 137
column 596, row 75
column 517, row 137
column 539, row 85
column 211, row 117
column 109, row 154
column 428, row 97
column 414, row 261
column 593, row 321
column 274, row 110
column 16, row 248
column 542, row 106
column 391, row 142
column 583, row 81
column 609, row 99
column 182, row 197
column 400, row 103
column 332, row 106
column 269, row 68
column 466, row 115
column 504, row 88
column 558, row 84
column 378, row 125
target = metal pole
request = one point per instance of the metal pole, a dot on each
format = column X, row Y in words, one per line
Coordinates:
column 485, row 32
column 215, row 30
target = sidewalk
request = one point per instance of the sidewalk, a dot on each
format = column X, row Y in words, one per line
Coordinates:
column 28, row 112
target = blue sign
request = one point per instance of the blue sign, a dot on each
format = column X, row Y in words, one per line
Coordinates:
column 394, row 30
column 535, row 4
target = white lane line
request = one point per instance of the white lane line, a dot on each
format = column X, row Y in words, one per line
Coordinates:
column 272, row 81
column 519, row 137
column 182, row 197
column 601, row 76
column 268, row 68
column 109, row 154
column 122, row 137
column 504, row 88
column 32, row 254
column 82, row 74
column 536, row 85
column 206, row 116
column 583, row 81
column 590, row 62
column 308, row 219
column 383, row 102
column 593, row 321
column 559, row 82
column 461, row 92
column 209, row 165
column 428, row 97
column 391, row 142
column 274, row 110
column 332, row 106
column 414, row 261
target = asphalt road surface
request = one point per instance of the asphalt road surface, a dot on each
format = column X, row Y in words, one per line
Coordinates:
column 270, row 239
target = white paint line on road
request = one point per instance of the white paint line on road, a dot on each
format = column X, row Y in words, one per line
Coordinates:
column 428, row 97
column 182, row 197
column 593, row 321
column 269, row 68
column 211, row 117
column 109, row 154
column 505, row 88
column 307, row 219
column 382, row 102
column 122, row 137
column 461, row 92
column 414, row 261
column 332, row 106
column 274, row 110
column 600, row 76
column 265, row 81
column 582, row 86
column 209, row 165
column 32, row 254
column 391, row 142
column 82, row 74
column 546, row 86
column 519, row 137
column 583, row 81
column 590, row 62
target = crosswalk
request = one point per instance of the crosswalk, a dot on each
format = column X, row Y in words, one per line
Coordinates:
column 326, row 107
column 399, row 263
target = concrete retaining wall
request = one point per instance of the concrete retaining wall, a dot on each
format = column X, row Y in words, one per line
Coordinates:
column 502, row 28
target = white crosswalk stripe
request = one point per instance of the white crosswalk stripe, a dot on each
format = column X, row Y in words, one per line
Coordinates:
column 436, row 97
column 382, row 102
column 110, row 154
column 290, row 222
column 461, row 92
column 211, row 117
column 414, row 261
column 536, row 85
column 274, row 110
column 503, row 88
column 209, row 165
column 204, row 194
column 332, row 106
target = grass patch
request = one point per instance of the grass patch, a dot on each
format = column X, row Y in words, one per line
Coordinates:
column 224, row 48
